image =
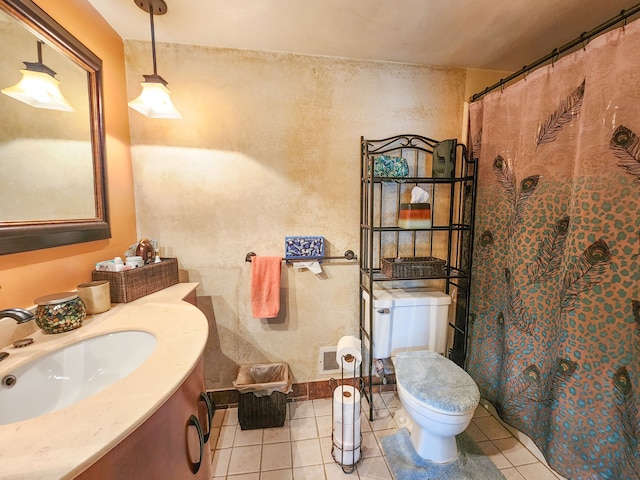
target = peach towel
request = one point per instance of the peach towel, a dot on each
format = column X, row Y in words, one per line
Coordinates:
column 265, row 286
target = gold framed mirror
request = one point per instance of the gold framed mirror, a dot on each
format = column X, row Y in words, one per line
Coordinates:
column 53, row 188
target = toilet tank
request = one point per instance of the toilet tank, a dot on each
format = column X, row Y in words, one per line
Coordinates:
column 408, row 319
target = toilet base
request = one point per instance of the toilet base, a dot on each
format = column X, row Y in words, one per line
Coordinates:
column 432, row 447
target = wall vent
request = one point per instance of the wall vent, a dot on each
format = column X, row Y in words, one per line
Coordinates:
column 327, row 361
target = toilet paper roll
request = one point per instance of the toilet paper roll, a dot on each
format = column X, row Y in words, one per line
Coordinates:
column 346, row 456
column 346, row 404
column 348, row 446
column 349, row 353
column 347, row 437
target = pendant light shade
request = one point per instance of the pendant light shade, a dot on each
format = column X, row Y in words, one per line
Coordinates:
column 155, row 100
column 38, row 87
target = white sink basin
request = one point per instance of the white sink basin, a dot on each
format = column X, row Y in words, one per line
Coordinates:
column 66, row 376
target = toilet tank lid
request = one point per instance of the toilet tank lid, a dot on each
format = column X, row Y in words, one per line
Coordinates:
column 404, row 297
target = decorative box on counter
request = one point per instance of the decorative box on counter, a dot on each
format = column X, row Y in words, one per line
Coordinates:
column 303, row 247
column 129, row 285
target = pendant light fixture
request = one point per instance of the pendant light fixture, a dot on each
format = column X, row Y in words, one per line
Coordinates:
column 154, row 101
column 38, row 86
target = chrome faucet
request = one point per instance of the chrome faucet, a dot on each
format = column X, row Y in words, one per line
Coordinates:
column 20, row 315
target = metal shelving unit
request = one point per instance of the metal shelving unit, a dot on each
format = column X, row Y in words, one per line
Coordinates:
column 450, row 236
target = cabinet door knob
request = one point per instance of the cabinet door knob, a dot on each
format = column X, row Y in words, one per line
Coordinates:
column 193, row 421
column 205, row 398
column 384, row 310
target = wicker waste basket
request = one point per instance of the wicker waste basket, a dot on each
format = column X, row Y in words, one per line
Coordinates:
column 263, row 391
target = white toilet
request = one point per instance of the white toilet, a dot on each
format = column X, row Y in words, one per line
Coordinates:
column 410, row 326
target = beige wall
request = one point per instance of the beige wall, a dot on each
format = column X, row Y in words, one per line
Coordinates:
column 26, row 276
column 269, row 147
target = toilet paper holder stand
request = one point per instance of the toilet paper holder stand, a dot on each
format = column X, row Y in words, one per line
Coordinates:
column 345, row 455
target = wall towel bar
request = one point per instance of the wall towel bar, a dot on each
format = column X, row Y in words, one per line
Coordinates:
column 348, row 255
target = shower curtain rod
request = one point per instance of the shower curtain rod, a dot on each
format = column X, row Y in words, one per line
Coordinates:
column 582, row 39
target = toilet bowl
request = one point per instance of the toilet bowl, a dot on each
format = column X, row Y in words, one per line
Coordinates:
column 439, row 397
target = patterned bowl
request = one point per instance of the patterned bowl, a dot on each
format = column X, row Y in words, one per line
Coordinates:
column 60, row 312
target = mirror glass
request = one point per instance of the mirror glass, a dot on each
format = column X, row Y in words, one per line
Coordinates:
column 52, row 162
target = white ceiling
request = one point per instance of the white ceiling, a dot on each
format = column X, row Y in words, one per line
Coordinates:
column 487, row 34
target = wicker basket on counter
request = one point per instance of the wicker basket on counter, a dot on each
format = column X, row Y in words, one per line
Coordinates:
column 129, row 285
column 413, row 267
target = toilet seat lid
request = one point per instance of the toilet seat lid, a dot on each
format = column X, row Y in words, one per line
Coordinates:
column 436, row 381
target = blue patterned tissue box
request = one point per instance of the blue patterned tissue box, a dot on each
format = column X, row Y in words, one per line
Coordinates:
column 303, row 247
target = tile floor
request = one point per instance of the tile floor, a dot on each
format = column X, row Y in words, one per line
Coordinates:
column 301, row 449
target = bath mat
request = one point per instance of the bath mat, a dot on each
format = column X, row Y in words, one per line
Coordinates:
column 405, row 463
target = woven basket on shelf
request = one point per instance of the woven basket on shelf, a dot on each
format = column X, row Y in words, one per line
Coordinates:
column 413, row 267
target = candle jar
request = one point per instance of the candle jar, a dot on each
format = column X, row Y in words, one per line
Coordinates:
column 60, row 312
column 96, row 296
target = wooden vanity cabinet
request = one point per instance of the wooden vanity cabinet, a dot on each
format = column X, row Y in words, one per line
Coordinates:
column 166, row 446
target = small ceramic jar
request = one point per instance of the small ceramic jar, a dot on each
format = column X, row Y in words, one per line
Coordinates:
column 60, row 312
column 96, row 296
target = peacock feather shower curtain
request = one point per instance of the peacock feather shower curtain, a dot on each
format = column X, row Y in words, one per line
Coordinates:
column 555, row 309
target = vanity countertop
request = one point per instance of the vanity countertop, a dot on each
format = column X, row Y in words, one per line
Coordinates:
column 63, row 443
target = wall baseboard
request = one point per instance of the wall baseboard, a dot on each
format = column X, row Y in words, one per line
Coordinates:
column 315, row 390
